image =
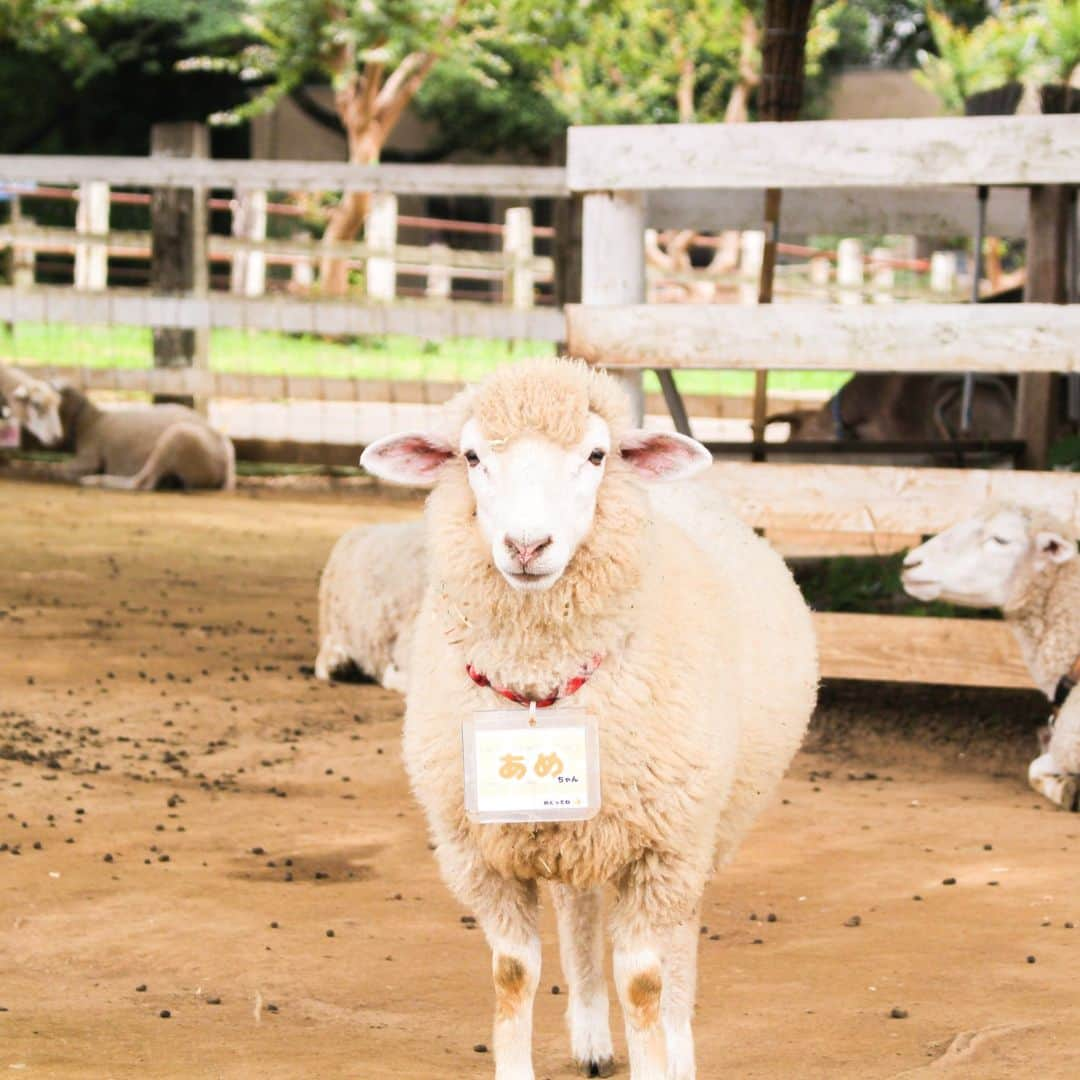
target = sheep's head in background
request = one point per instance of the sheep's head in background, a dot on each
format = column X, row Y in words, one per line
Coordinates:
column 36, row 407
column 536, row 447
column 986, row 559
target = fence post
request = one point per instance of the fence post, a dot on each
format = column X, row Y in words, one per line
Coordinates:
column 751, row 258
column 820, row 275
column 380, row 235
column 302, row 269
column 178, row 262
column 850, row 270
column 943, row 271
column 22, row 256
column 518, row 249
column 439, row 277
column 247, row 275
column 613, row 263
column 1047, row 283
column 882, row 275
column 92, row 217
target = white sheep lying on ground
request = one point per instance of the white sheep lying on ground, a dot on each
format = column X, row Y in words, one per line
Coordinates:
column 1024, row 562
column 34, row 404
column 369, row 596
column 554, row 575
column 143, row 448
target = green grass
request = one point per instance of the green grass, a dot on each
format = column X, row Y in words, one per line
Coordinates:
column 389, row 357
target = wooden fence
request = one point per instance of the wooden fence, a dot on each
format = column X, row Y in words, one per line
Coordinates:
column 632, row 177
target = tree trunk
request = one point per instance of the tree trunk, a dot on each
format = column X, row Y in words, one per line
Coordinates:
column 347, row 218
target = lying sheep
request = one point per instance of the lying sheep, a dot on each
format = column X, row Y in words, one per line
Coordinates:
column 34, row 404
column 141, row 449
column 553, row 575
column 369, row 596
column 1024, row 562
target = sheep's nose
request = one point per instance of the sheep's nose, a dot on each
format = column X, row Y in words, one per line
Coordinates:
column 913, row 560
column 525, row 551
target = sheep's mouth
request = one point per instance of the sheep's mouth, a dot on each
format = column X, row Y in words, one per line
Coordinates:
column 921, row 588
column 530, row 580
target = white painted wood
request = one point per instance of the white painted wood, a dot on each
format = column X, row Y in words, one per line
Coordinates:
column 302, row 271
column 751, row 253
column 882, row 275
column 414, row 318
column 613, row 264
column 943, row 271
column 439, row 278
column 92, row 217
column 820, row 272
column 518, row 282
column 380, row 232
column 874, row 499
column 22, row 256
column 510, row 181
column 849, row 263
column 933, row 211
column 249, row 217
column 903, row 337
column 826, row 153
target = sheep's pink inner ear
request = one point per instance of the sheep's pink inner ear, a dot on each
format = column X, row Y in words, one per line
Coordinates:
column 1055, row 547
column 412, row 458
column 659, row 455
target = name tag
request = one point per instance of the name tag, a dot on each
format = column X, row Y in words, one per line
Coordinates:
column 531, row 765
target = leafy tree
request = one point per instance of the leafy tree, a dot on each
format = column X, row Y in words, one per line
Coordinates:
column 1059, row 38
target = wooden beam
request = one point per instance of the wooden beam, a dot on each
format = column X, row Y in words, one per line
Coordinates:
column 808, row 543
column 826, row 154
column 902, row 337
column 847, row 211
column 877, row 499
column 494, row 180
column 136, row 307
column 956, row 652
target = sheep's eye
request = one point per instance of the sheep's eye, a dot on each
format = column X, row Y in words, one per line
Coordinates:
column 597, row 457
column 472, row 457
column 1000, row 539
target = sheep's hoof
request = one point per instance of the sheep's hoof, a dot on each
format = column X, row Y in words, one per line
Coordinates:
column 597, row 1068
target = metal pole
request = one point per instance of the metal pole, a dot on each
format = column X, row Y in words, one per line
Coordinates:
column 1072, row 264
column 967, row 399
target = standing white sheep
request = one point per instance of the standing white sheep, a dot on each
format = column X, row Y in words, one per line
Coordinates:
column 1024, row 562
column 369, row 596
column 553, row 575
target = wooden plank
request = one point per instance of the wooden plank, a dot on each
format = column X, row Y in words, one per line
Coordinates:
column 417, row 318
column 956, row 652
column 496, row 181
column 850, row 211
column 826, row 154
column 901, row 337
column 875, row 499
column 808, row 543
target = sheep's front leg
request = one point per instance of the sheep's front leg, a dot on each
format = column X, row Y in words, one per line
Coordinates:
column 1047, row 777
column 677, row 1003
column 581, row 949
column 654, row 934
column 507, row 912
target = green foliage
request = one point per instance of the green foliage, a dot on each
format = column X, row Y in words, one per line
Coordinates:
column 1059, row 38
column 870, row 586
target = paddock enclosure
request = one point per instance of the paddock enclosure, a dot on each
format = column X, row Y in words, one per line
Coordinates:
column 166, row 768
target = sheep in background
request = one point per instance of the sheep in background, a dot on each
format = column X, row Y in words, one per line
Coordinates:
column 143, row 448
column 369, row 596
column 34, row 404
column 1024, row 562
column 552, row 573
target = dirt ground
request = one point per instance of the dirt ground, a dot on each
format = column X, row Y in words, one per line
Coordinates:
column 211, row 866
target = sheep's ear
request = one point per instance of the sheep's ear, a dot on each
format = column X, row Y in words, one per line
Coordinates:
column 413, row 458
column 661, row 455
column 1052, row 547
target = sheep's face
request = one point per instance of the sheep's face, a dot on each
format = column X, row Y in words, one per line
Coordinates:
column 535, row 499
column 979, row 562
column 36, row 406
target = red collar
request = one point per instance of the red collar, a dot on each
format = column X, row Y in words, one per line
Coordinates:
column 571, row 686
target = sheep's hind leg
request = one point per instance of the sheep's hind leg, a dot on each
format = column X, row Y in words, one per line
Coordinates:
column 581, row 949
column 106, row 480
column 1048, row 779
column 506, row 910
